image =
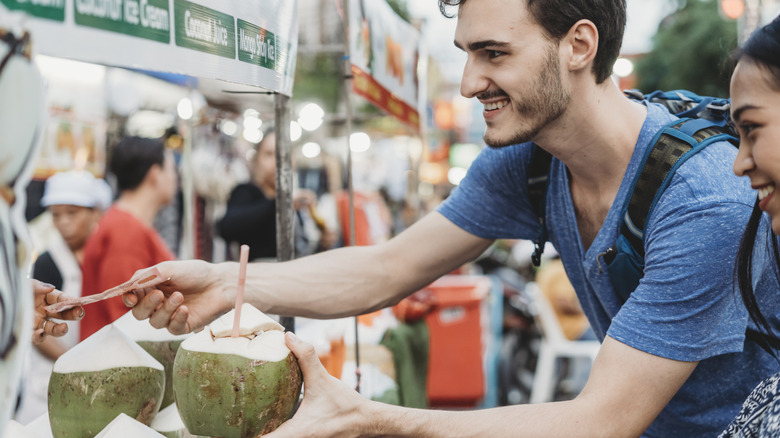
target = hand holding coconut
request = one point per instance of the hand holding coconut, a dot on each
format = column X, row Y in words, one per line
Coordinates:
column 43, row 325
column 330, row 407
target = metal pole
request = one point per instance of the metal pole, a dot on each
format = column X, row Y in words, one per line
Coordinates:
column 285, row 239
column 188, row 238
column 350, row 191
column 750, row 20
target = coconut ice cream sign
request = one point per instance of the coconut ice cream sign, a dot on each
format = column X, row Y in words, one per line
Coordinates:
column 236, row 387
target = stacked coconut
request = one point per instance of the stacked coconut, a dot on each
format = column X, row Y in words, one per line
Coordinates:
column 125, row 427
column 223, row 385
column 159, row 343
column 103, row 376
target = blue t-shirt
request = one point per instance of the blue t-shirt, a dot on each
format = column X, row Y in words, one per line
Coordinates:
column 685, row 307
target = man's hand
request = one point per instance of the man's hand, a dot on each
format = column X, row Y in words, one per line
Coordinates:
column 46, row 294
column 195, row 294
column 330, row 408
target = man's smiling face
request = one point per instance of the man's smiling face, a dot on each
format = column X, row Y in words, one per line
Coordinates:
column 513, row 68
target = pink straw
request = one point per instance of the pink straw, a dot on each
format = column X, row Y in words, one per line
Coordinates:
column 243, row 259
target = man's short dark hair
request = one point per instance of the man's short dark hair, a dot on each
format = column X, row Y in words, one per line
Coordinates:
column 132, row 158
column 558, row 16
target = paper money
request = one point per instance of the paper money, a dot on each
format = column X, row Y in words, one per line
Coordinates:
column 149, row 278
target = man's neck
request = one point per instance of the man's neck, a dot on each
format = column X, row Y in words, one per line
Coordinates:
column 139, row 204
column 596, row 137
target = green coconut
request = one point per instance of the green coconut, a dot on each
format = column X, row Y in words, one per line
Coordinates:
column 236, row 387
column 125, row 427
column 105, row 375
column 160, row 343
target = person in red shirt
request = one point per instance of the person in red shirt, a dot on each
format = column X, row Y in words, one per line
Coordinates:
column 125, row 240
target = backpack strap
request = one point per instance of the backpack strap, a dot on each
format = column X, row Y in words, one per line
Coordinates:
column 686, row 104
column 538, row 177
column 671, row 147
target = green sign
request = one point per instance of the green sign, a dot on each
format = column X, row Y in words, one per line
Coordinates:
column 258, row 46
column 204, row 29
column 148, row 19
column 48, row 9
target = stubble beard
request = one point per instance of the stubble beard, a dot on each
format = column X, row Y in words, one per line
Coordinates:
column 545, row 103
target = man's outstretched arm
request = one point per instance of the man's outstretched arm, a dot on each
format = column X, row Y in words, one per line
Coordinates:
column 626, row 390
column 335, row 283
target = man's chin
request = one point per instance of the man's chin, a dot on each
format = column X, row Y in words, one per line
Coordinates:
column 498, row 143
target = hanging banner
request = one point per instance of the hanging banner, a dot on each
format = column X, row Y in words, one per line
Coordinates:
column 384, row 50
column 250, row 42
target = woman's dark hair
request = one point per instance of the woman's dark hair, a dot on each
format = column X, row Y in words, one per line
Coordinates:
column 558, row 16
column 761, row 49
column 744, row 265
column 132, row 158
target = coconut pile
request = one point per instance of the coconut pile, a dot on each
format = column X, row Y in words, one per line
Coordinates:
column 114, row 382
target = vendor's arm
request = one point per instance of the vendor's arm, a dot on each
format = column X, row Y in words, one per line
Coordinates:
column 626, row 390
column 344, row 281
column 51, row 348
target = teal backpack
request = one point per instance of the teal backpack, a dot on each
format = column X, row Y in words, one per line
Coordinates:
column 703, row 121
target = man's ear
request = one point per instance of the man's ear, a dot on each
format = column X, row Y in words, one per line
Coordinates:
column 583, row 43
column 154, row 173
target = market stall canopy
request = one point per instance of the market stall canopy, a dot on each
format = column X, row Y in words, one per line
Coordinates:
column 249, row 43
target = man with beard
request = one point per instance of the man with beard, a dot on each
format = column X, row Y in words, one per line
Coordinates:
column 674, row 359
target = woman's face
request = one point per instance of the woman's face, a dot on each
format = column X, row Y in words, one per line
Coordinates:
column 265, row 162
column 755, row 105
column 74, row 223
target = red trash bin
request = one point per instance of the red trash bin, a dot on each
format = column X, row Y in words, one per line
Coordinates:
column 455, row 366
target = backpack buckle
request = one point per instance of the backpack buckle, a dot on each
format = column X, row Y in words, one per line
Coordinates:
column 536, row 257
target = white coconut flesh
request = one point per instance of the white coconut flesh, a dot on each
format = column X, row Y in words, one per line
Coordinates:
column 261, row 337
column 105, row 349
column 168, row 420
column 251, row 321
column 123, row 426
column 140, row 331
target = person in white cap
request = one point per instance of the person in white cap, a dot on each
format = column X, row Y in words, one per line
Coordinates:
column 76, row 201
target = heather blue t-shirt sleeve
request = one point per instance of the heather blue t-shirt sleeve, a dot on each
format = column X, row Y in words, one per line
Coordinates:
column 492, row 201
column 685, row 307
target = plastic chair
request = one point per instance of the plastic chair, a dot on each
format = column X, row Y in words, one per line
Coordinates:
column 553, row 345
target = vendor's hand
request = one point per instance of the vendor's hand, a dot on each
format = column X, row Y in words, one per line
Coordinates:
column 195, row 294
column 330, row 408
column 46, row 294
column 303, row 198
